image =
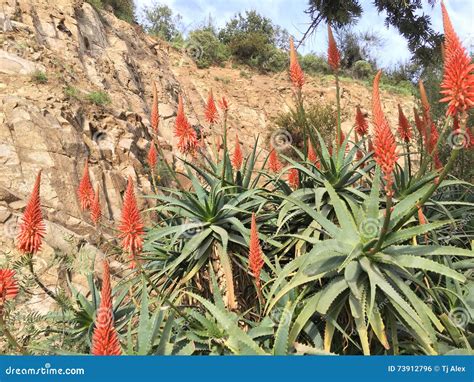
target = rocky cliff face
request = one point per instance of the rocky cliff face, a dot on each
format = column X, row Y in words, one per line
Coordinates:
column 52, row 126
column 55, row 126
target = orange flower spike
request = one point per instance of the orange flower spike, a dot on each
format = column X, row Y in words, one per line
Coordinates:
column 296, row 73
column 359, row 153
column 384, row 141
column 237, row 157
column 404, row 128
column 32, row 228
column 96, row 212
column 85, row 192
column 224, row 104
column 419, row 123
column 294, row 178
column 334, row 57
column 312, row 156
column 152, row 156
column 274, row 163
column 131, row 227
column 255, row 252
column 458, row 78
column 155, row 116
column 211, row 114
column 361, row 124
column 424, row 99
column 187, row 137
column 8, row 285
column 105, row 339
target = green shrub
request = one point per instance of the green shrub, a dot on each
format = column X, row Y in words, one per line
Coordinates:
column 206, row 49
column 276, row 60
column 71, row 92
column 95, row 3
column 39, row 77
column 254, row 40
column 320, row 116
column 362, row 69
column 123, row 9
column 159, row 20
column 313, row 64
column 99, row 98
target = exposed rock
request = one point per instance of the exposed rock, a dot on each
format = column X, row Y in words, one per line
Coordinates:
column 12, row 64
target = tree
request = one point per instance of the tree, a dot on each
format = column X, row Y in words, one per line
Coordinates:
column 159, row 20
column 123, row 9
column 357, row 46
column 254, row 39
column 405, row 15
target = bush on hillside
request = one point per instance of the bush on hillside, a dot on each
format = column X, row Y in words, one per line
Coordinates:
column 123, row 9
column 206, row 49
column 313, row 64
column 362, row 69
column 253, row 40
column 159, row 20
column 318, row 115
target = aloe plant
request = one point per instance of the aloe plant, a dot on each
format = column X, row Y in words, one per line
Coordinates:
column 374, row 290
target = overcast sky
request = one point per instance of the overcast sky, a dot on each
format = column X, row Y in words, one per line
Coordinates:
column 290, row 15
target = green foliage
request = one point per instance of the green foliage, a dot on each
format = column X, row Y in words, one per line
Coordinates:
column 407, row 16
column 356, row 46
column 99, row 98
column 159, row 20
column 320, row 116
column 255, row 40
column 206, row 49
column 123, row 9
column 314, row 64
column 71, row 92
column 362, row 69
column 39, row 77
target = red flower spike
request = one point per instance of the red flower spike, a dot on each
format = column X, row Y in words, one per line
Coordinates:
column 420, row 126
column 384, row 141
column 424, row 98
column 458, row 78
column 85, row 192
column 312, row 156
column 8, row 285
column 361, row 124
column 255, row 252
column 294, row 178
column 155, row 116
column 359, row 153
column 237, row 158
column 224, row 104
column 296, row 73
column 131, row 227
column 187, row 137
column 211, row 113
column 152, row 156
column 105, row 339
column 274, row 163
column 32, row 228
column 96, row 212
column 334, row 57
column 404, row 128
